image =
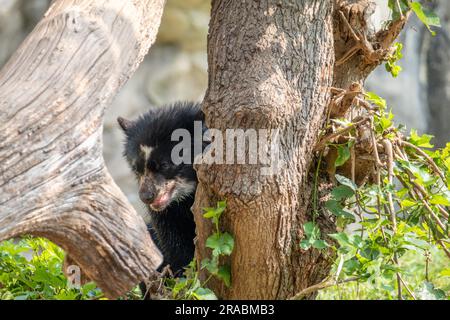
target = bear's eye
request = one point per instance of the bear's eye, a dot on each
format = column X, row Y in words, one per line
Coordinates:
column 165, row 166
column 139, row 167
column 153, row 165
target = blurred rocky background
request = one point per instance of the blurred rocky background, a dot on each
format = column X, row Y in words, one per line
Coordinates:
column 176, row 69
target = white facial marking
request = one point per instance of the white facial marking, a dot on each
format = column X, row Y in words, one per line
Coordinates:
column 146, row 150
column 184, row 188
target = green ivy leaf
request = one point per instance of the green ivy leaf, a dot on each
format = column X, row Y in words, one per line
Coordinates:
column 224, row 273
column 342, row 192
column 427, row 17
column 393, row 69
column 312, row 233
column 221, row 243
column 215, row 213
column 346, row 182
column 338, row 210
column 305, row 244
column 445, row 272
column 424, row 178
column 311, row 230
column 181, row 284
column 376, row 99
column 385, row 121
column 397, row 11
column 210, row 265
column 341, row 238
column 391, row 64
column 343, row 155
column 204, row 294
column 422, row 141
column 320, row 244
column 408, row 203
column 440, row 199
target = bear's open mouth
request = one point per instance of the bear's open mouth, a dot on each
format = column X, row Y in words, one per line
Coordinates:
column 163, row 199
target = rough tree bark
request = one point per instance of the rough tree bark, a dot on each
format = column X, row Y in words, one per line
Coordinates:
column 271, row 66
column 53, row 180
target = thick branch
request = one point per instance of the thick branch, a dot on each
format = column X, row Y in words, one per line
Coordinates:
column 53, row 93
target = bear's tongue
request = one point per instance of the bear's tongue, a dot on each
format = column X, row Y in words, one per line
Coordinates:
column 162, row 199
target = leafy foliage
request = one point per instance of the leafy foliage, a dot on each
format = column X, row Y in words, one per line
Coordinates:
column 189, row 286
column 391, row 64
column 428, row 17
column 312, row 239
column 393, row 235
column 402, row 210
column 415, row 269
column 389, row 219
column 31, row 269
column 401, row 7
column 221, row 244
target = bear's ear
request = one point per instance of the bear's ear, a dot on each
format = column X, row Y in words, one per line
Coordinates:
column 124, row 123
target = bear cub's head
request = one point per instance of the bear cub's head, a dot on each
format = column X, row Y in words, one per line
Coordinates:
column 149, row 150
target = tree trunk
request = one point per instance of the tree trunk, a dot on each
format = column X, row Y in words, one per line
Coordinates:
column 53, row 180
column 271, row 66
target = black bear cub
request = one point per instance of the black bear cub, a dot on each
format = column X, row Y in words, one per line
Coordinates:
column 166, row 188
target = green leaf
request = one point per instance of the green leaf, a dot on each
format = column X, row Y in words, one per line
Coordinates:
column 338, row 210
column 311, row 230
column 427, row 17
column 440, row 199
column 224, row 273
column 312, row 233
column 397, row 11
column 179, row 285
column 341, row 238
column 320, row 244
column 305, row 244
column 215, row 212
column 376, row 99
column 420, row 141
column 343, row 155
column 346, row 182
column 385, row 121
column 407, row 203
column 412, row 239
column 342, row 192
column 204, row 294
column 350, row 266
column 210, row 265
column 221, row 243
column 391, row 64
column 393, row 69
column 424, row 178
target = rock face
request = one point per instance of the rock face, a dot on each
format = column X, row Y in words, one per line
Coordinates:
column 176, row 69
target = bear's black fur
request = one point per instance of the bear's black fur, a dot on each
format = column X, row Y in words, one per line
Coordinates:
column 167, row 189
